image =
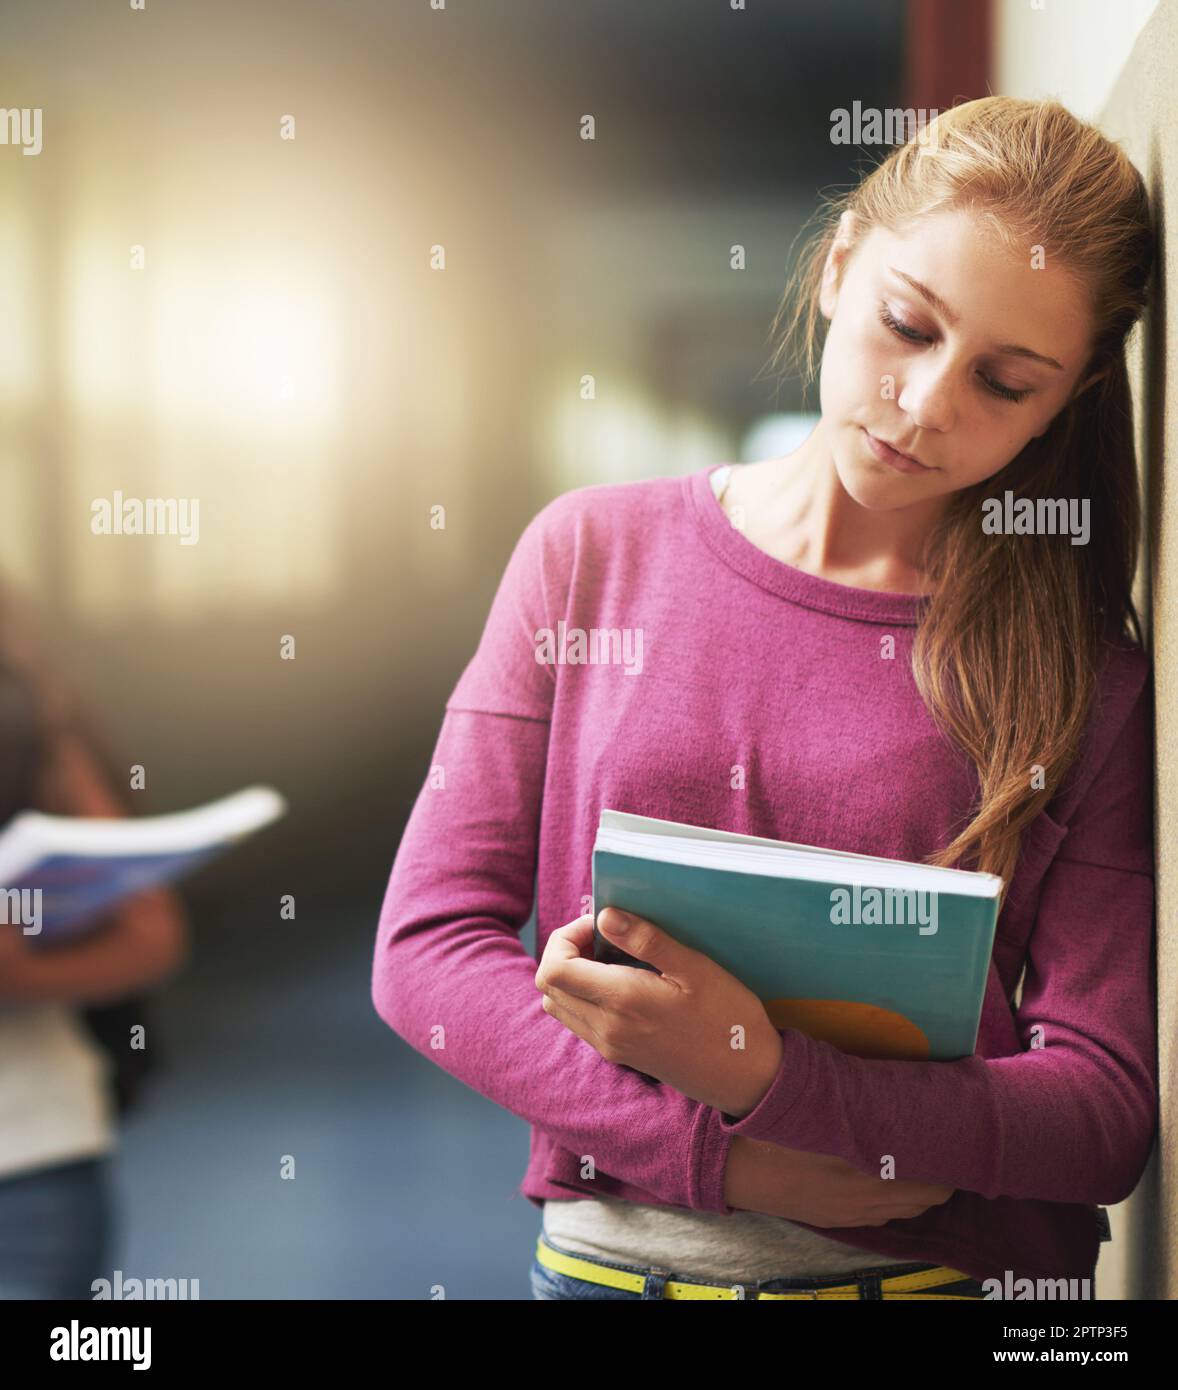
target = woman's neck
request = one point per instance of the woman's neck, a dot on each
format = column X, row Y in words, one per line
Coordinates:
column 797, row 510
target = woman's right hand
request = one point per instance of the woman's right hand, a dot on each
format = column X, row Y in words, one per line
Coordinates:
column 819, row 1189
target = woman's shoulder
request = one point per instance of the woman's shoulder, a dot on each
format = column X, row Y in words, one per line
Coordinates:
column 605, row 506
column 583, row 534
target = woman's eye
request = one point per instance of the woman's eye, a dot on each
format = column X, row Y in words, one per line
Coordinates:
column 902, row 329
column 1008, row 393
column 910, row 335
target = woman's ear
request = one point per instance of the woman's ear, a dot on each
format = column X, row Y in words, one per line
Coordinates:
column 832, row 272
column 1088, row 378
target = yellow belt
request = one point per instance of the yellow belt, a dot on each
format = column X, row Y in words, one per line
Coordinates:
column 891, row 1286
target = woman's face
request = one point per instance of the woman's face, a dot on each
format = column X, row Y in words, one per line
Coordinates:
column 940, row 382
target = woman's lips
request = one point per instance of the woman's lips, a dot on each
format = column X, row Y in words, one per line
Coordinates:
column 892, row 457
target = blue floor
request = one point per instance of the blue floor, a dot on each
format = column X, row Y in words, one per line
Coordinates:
column 404, row 1178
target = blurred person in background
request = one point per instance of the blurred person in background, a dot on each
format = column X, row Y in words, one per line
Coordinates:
column 67, row 1067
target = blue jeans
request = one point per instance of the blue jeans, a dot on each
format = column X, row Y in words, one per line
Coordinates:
column 548, row 1284
column 55, row 1228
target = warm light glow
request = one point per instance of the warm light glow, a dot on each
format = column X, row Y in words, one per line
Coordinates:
column 242, row 344
column 105, row 360
column 18, row 355
column 213, row 373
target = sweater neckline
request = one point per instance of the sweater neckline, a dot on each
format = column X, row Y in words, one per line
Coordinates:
column 787, row 581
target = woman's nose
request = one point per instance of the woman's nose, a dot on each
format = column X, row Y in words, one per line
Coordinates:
column 928, row 397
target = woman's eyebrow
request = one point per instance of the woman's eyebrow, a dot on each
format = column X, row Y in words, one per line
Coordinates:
column 1010, row 349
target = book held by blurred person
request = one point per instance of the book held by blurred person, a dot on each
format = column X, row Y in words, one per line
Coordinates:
column 61, row 875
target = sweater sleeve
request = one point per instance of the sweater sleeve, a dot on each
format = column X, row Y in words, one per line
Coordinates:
column 450, row 973
column 1070, row 1118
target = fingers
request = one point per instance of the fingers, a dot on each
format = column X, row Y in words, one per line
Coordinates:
column 647, row 942
column 559, row 1005
column 575, row 1014
column 571, row 941
column 567, row 965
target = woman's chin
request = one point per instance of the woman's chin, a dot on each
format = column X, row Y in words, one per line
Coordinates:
column 876, row 487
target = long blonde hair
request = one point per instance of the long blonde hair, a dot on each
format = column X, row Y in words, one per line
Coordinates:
column 1008, row 647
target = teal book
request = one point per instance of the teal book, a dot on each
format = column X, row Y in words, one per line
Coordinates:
column 879, row 957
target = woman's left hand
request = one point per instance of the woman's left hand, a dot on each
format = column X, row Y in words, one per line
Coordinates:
column 693, row 1025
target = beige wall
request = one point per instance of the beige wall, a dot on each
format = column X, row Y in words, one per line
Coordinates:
column 1073, row 50
column 1113, row 64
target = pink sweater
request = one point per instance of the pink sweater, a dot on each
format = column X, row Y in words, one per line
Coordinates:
column 726, row 657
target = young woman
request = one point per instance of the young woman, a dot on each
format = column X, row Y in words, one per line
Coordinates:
column 845, row 648
column 57, row 1107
